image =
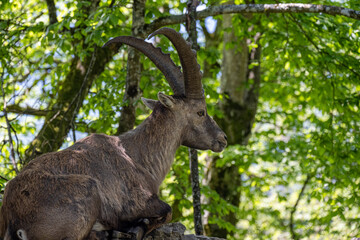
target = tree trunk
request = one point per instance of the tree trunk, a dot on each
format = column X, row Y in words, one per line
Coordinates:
column 132, row 90
column 70, row 97
column 240, row 86
column 76, row 86
column 69, row 100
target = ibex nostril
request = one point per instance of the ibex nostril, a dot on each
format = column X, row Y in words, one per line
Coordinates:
column 225, row 137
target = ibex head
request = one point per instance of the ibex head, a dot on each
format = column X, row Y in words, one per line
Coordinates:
column 188, row 104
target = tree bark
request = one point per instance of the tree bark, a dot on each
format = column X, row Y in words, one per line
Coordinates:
column 240, row 86
column 52, row 11
column 193, row 154
column 255, row 8
column 69, row 98
column 132, row 90
column 26, row 110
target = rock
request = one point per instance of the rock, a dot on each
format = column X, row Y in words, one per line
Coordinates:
column 198, row 237
column 169, row 231
column 175, row 231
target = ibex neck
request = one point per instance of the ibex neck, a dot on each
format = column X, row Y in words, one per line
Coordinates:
column 154, row 143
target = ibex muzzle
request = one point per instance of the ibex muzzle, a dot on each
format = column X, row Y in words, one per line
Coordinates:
column 112, row 182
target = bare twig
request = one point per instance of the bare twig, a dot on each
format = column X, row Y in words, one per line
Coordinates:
column 12, row 151
column 17, row 145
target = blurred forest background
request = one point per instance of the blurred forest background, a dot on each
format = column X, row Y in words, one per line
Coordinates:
column 284, row 86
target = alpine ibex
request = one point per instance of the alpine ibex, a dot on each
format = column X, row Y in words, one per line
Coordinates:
column 112, row 182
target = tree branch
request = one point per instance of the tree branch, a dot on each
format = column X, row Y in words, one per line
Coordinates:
column 26, row 110
column 293, row 210
column 280, row 8
column 4, row 178
column 256, row 8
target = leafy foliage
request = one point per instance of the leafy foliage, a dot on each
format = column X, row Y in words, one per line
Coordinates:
column 307, row 124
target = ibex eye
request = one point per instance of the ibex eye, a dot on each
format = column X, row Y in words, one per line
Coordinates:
column 201, row 113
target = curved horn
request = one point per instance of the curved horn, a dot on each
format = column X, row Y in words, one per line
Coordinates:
column 162, row 61
column 191, row 69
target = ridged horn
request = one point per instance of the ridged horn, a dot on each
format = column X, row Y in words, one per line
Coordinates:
column 161, row 60
column 191, row 68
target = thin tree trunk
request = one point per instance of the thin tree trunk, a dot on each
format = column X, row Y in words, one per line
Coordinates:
column 196, row 193
column 132, row 90
column 193, row 155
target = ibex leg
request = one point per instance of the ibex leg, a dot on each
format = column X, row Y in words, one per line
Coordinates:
column 53, row 206
column 156, row 214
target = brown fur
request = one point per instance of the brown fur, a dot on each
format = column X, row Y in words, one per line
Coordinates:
column 110, row 180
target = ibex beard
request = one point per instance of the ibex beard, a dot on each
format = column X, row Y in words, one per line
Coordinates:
column 111, row 182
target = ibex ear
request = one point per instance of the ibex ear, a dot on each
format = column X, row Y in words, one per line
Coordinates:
column 149, row 102
column 166, row 100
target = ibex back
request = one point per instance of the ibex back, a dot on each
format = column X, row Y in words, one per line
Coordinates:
column 112, row 182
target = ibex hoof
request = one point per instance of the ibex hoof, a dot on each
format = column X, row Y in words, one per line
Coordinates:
column 137, row 233
column 145, row 221
column 116, row 235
